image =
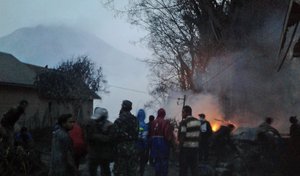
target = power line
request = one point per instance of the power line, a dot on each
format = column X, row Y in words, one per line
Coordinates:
column 128, row 89
column 210, row 79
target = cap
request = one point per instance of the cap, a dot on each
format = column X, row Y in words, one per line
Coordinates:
column 99, row 112
column 293, row 119
column 126, row 104
column 201, row 115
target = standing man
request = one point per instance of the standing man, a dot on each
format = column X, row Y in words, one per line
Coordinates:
column 189, row 139
column 125, row 134
column 9, row 120
column 206, row 133
column 295, row 132
column 151, row 160
column 294, row 146
column 99, row 143
column 62, row 157
column 161, row 138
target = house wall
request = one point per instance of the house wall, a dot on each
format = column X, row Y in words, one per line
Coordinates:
column 40, row 112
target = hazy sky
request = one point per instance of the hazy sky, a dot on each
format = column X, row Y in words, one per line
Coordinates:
column 89, row 15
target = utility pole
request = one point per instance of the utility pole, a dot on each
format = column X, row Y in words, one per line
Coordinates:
column 183, row 100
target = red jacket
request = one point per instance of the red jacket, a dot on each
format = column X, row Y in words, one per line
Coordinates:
column 161, row 126
column 77, row 137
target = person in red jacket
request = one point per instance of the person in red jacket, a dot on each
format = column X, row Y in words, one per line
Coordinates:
column 79, row 146
column 161, row 134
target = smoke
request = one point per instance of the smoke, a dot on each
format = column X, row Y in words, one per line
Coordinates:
column 246, row 81
column 200, row 103
column 242, row 85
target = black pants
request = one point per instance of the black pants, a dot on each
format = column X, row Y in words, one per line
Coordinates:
column 143, row 159
column 104, row 167
column 204, row 150
column 188, row 159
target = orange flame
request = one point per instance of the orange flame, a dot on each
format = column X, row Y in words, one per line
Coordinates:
column 215, row 127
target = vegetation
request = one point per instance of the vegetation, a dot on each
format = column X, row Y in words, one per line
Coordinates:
column 185, row 35
column 71, row 80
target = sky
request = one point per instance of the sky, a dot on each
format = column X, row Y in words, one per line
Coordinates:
column 91, row 16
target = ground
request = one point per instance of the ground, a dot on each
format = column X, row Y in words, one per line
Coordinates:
column 237, row 165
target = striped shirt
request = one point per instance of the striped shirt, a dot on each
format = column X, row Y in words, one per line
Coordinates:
column 189, row 132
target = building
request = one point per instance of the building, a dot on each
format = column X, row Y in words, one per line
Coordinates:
column 17, row 83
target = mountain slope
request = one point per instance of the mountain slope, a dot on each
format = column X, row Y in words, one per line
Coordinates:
column 48, row 45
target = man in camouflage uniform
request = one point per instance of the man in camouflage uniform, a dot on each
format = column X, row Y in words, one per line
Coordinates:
column 125, row 134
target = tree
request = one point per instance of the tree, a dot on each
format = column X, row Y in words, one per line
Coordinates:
column 73, row 81
column 184, row 35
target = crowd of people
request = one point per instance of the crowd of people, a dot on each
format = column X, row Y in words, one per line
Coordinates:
column 130, row 143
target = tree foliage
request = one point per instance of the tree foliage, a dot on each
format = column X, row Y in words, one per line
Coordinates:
column 75, row 79
column 185, row 34
column 182, row 35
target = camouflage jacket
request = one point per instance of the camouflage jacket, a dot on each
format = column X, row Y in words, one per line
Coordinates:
column 125, row 134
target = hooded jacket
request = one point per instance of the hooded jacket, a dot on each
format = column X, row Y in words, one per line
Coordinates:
column 143, row 130
column 161, row 127
column 161, row 135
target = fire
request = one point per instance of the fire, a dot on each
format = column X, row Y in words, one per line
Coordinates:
column 219, row 122
column 215, row 127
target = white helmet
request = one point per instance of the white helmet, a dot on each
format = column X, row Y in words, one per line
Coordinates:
column 99, row 113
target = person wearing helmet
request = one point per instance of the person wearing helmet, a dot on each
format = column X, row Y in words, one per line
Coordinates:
column 99, row 142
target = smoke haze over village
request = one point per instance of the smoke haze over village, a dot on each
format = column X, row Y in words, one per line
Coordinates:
column 43, row 33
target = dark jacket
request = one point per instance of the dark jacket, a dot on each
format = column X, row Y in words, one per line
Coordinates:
column 99, row 141
column 11, row 117
column 7, row 125
column 62, row 157
column 206, row 130
column 125, row 134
